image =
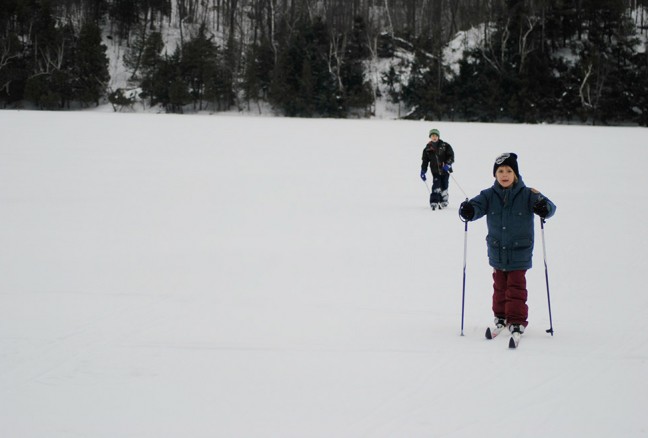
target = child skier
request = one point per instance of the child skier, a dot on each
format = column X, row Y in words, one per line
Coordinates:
column 509, row 205
column 439, row 156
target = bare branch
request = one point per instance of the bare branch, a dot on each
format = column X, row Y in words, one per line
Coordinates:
column 523, row 42
column 586, row 101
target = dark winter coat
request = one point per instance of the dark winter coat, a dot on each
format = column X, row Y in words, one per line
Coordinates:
column 436, row 155
column 509, row 216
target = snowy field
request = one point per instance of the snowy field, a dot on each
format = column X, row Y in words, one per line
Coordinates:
column 215, row 276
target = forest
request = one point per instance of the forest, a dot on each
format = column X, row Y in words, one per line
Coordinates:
column 542, row 61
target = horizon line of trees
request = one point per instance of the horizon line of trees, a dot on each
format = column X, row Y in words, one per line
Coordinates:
column 538, row 61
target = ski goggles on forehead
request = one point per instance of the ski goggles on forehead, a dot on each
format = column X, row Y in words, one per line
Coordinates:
column 502, row 158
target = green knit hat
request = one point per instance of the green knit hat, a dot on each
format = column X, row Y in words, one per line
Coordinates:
column 434, row 131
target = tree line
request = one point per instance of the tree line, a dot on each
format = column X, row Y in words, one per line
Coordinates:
column 536, row 61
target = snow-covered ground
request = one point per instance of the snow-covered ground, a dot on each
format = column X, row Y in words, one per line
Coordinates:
column 216, row 276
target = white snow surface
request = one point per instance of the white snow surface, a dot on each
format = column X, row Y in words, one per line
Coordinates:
column 217, row 276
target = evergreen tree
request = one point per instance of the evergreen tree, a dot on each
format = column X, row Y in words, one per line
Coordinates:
column 426, row 88
column 124, row 13
column 91, row 66
column 327, row 94
column 50, row 82
column 259, row 63
column 391, row 79
column 358, row 92
column 475, row 92
column 605, row 64
column 222, row 85
column 179, row 96
column 639, row 88
column 303, row 84
column 152, row 65
column 199, row 64
column 157, row 86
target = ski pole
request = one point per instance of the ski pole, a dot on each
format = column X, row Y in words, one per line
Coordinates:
column 463, row 290
column 462, row 190
column 544, row 253
column 428, row 187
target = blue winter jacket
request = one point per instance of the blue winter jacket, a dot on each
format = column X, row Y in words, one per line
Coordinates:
column 510, row 224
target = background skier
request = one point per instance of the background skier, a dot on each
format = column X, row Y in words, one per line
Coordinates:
column 438, row 156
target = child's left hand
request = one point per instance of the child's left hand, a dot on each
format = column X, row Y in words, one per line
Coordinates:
column 540, row 208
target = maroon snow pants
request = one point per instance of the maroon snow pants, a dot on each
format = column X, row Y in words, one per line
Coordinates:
column 510, row 296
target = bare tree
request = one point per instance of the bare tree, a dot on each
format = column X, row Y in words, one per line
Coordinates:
column 525, row 47
column 7, row 53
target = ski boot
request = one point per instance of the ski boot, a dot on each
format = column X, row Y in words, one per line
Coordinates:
column 500, row 324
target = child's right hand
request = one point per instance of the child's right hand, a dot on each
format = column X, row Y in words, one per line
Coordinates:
column 466, row 210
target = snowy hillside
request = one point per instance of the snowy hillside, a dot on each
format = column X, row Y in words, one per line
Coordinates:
column 375, row 69
column 168, row 276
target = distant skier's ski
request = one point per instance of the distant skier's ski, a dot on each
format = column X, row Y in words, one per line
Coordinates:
column 492, row 333
column 515, row 340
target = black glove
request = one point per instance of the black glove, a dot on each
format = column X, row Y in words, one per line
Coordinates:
column 466, row 210
column 541, row 208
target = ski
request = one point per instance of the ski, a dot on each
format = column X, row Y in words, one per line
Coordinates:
column 492, row 333
column 515, row 340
